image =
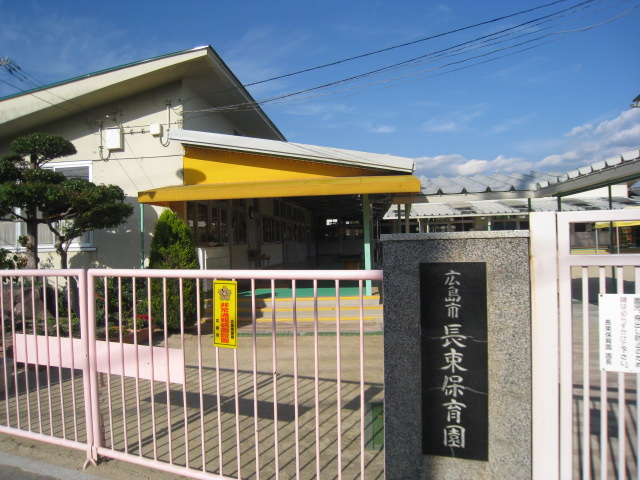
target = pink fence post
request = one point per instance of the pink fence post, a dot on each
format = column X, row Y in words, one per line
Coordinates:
column 90, row 367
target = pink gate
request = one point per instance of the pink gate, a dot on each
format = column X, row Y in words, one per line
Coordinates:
column 294, row 399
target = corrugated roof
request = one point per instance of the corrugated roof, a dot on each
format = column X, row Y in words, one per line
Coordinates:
column 518, row 206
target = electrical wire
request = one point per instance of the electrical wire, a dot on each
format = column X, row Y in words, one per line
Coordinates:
column 558, row 13
column 563, row 32
column 510, row 34
column 36, row 96
column 296, row 96
column 406, row 44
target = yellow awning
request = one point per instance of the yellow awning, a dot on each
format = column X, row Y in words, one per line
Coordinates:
column 628, row 223
column 307, row 187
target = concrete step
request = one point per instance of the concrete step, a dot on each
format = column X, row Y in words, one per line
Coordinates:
column 303, row 302
column 305, row 308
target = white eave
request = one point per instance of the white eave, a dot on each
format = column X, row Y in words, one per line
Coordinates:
column 296, row 151
column 24, row 111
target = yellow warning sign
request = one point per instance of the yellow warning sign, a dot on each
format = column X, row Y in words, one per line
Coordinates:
column 225, row 314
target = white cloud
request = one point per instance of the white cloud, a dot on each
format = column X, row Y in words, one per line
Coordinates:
column 510, row 124
column 326, row 111
column 455, row 164
column 589, row 144
column 454, row 122
column 472, row 167
column 383, row 129
column 439, row 127
column 624, row 121
column 581, row 130
column 438, row 165
column 579, row 147
column 499, row 164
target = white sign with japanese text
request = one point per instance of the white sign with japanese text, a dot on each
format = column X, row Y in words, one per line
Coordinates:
column 619, row 333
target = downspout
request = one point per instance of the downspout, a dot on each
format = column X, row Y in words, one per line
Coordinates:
column 612, row 235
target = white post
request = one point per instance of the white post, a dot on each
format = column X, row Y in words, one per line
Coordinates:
column 544, row 347
column 366, row 225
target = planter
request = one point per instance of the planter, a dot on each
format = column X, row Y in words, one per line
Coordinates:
column 141, row 336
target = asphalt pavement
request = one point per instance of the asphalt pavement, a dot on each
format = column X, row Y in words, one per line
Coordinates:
column 16, row 467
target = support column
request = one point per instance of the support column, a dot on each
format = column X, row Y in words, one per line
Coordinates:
column 366, row 227
column 407, row 218
column 397, row 224
column 142, row 235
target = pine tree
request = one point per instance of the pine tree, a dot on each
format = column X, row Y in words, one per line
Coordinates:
column 36, row 195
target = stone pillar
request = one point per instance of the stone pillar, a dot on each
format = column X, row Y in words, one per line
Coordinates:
column 506, row 255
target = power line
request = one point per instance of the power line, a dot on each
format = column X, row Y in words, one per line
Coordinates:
column 580, row 5
column 39, row 98
column 406, row 44
column 362, row 75
column 527, row 28
column 459, row 49
column 14, row 70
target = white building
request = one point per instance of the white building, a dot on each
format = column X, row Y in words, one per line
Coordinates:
column 167, row 132
column 119, row 119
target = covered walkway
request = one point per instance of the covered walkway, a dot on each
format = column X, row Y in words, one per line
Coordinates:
column 255, row 203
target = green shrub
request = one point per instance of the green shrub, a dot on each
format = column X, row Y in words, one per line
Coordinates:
column 118, row 299
column 172, row 247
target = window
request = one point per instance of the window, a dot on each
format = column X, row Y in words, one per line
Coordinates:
column 507, row 225
column 11, row 231
column 209, row 223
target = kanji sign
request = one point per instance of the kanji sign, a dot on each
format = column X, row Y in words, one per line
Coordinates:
column 455, row 391
column 619, row 333
column 225, row 318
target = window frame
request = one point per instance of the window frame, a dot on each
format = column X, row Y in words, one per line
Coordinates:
column 77, row 245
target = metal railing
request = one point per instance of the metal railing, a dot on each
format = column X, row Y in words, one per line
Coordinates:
column 80, row 370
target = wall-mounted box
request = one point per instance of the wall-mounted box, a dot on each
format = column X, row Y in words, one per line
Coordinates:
column 113, row 139
column 155, row 129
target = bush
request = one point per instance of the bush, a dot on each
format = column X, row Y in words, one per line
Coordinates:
column 117, row 299
column 11, row 261
column 172, row 247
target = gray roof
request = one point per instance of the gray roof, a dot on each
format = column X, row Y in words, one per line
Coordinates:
column 298, row 151
column 618, row 169
column 515, row 206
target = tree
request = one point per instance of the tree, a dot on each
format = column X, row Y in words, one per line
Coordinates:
column 36, row 195
column 172, row 247
column 79, row 206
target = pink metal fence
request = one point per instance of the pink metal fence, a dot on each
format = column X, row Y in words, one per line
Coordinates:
column 290, row 402
column 45, row 380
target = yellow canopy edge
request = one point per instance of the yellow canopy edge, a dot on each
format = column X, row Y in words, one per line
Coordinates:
column 628, row 223
column 219, row 166
column 307, row 187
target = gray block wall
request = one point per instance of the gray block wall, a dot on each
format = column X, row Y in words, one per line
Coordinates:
column 509, row 353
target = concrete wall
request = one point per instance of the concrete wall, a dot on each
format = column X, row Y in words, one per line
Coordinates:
column 506, row 255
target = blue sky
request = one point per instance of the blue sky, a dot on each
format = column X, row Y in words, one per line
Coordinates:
column 559, row 101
